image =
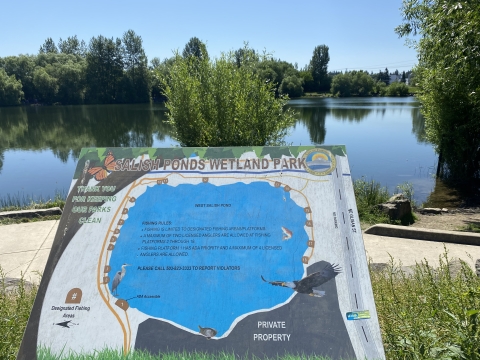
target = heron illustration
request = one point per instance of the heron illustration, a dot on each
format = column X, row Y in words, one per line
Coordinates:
column 118, row 278
column 307, row 284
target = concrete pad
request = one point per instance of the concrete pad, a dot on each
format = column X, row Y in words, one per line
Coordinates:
column 31, row 213
column 15, row 264
column 27, row 236
column 410, row 252
column 24, row 248
column 37, row 265
column 409, row 232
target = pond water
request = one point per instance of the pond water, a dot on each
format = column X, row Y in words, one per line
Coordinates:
column 39, row 145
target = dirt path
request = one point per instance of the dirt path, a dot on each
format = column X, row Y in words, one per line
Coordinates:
column 455, row 219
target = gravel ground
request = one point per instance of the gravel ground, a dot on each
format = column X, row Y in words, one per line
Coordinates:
column 454, row 219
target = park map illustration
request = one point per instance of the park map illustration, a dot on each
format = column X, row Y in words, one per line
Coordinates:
column 255, row 251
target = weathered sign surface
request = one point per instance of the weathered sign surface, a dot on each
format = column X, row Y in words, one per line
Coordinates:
column 253, row 251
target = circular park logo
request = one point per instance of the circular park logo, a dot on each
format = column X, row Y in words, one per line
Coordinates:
column 319, row 162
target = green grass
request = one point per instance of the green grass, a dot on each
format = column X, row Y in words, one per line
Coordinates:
column 17, row 202
column 471, row 227
column 111, row 354
column 15, row 307
column 428, row 315
column 317, row 94
column 367, row 195
column 11, row 221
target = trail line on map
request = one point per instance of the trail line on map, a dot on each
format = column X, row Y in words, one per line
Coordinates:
column 107, row 302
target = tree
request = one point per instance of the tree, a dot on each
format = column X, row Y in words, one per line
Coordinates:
column 72, row 46
column 137, row 77
column 275, row 71
column 10, row 90
column 195, row 48
column 104, row 70
column 448, row 76
column 292, row 86
column 224, row 105
column 155, row 63
column 397, row 89
column 341, row 85
column 59, row 78
column 48, row 47
column 245, row 53
column 22, row 67
column 318, row 67
column 46, row 85
column 71, row 82
column 379, row 88
column 356, row 83
column 160, row 72
column 308, row 84
column 386, row 77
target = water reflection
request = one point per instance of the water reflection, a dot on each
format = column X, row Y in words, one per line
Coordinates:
column 443, row 196
column 65, row 130
column 376, row 131
column 418, row 125
column 314, row 120
column 350, row 115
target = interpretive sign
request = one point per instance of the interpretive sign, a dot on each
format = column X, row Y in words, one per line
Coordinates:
column 252, row 251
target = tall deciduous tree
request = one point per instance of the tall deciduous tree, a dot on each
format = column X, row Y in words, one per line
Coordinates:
column 195, row 47
column 448, row 75
column 318, row 67
column 104, row 69
column 48, row 47
column 137, row 76
column 72, row 46
column 245, row 53
column 160, row 72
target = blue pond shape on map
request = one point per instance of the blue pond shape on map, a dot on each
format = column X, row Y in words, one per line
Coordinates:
column 203, row 275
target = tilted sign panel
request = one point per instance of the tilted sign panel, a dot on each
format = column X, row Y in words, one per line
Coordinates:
column 253, row 251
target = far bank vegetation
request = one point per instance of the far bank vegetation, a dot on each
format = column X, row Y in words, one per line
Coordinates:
column 117, row 71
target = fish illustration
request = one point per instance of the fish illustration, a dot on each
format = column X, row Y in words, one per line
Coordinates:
column 287, row 234
column 207, row 332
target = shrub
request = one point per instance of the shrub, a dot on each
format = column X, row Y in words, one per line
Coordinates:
column 217, row 103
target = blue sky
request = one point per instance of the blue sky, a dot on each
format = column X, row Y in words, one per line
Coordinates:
column 360, row 34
